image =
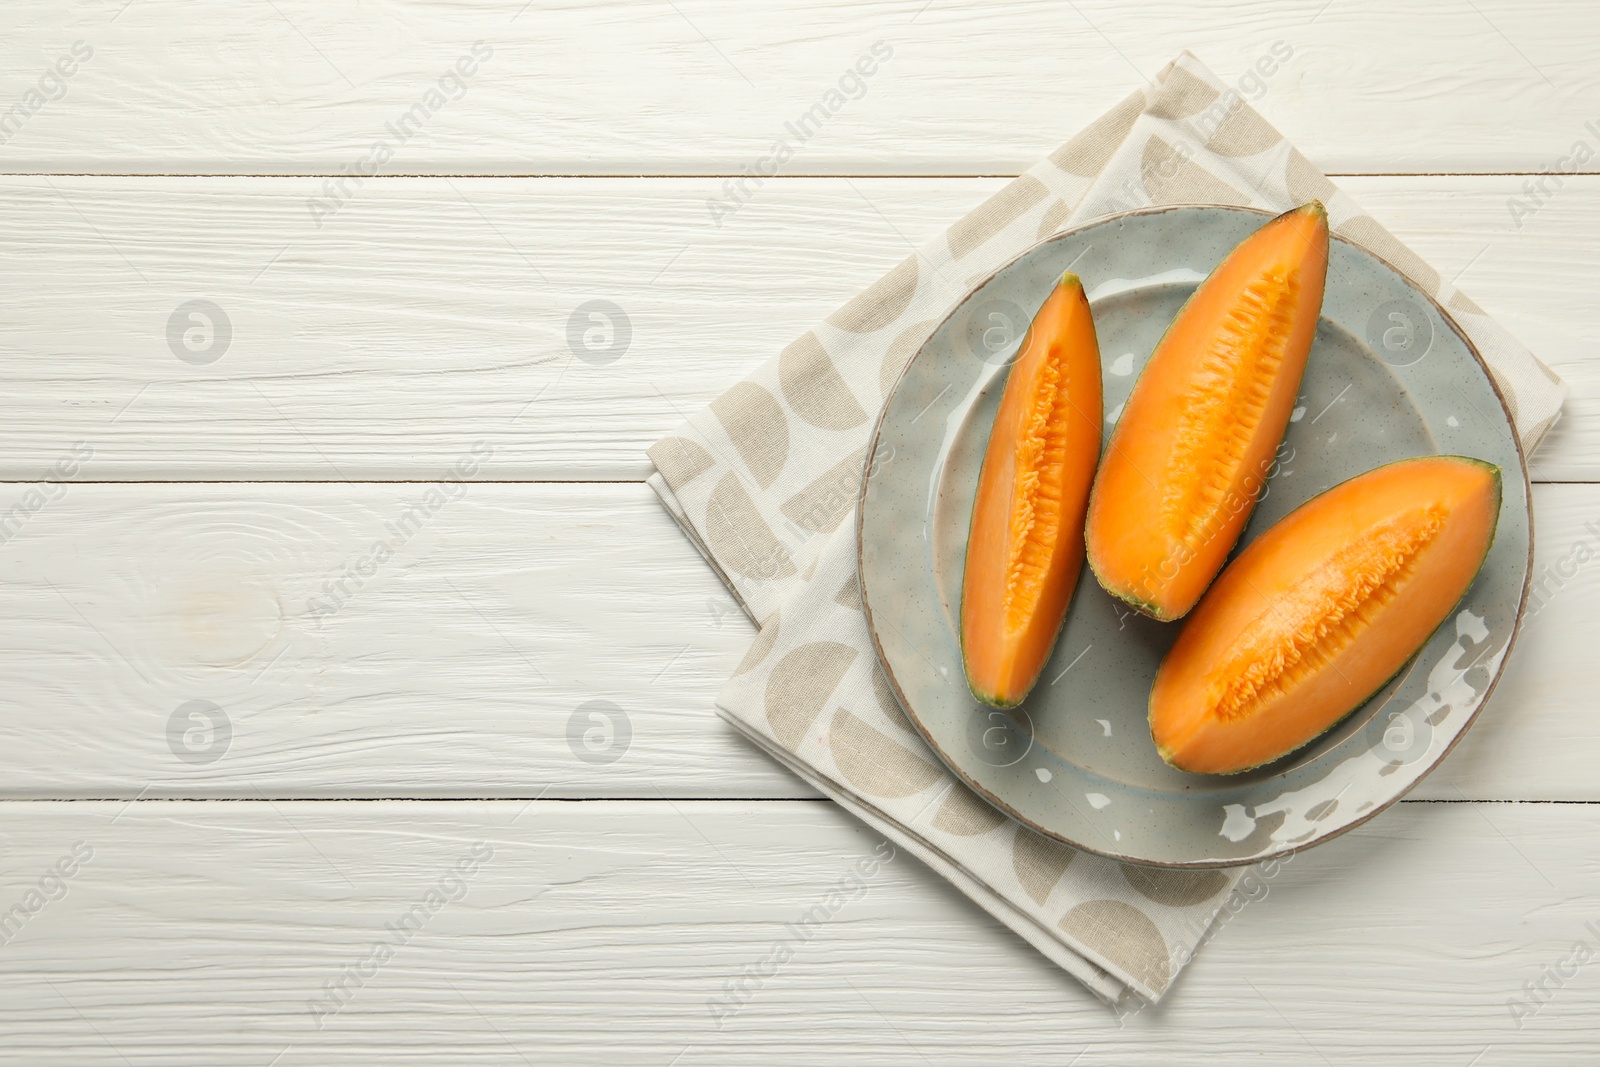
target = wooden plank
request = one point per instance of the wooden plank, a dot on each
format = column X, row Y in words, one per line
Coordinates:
column 433, row 313
column 600, row 932
column 707, row 86
column 466, row 663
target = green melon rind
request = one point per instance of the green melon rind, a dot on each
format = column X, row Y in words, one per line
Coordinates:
column 1143, row 607
column 1499, row 497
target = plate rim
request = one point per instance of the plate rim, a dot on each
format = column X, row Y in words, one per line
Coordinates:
column 1000, row 804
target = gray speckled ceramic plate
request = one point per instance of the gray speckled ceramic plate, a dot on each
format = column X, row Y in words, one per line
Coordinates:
column 1390, row 376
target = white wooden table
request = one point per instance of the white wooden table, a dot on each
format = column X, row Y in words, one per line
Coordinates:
column 375, row 726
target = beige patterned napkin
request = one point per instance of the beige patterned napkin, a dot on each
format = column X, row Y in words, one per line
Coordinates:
column 765, row 480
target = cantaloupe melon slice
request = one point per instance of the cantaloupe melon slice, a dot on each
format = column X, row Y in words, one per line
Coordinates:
column 1025, row 546
column 1317, row 613
column 1197, row 438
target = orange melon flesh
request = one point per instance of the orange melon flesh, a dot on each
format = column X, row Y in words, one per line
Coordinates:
column 1196, row 440
column 1317, row 613
column 1025, row 546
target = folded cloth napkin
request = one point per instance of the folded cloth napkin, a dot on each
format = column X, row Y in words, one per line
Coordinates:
column 764, row 481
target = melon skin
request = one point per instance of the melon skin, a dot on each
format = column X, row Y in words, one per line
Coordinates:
column 1197, row 438
column 1025, row 543
column 1321, row 611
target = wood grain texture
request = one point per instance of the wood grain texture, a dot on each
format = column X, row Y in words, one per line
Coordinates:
column 431, row 313
column 250, row 639
column 706, row 86
column 465, row 664
column 462, row 663
column 599, row 933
